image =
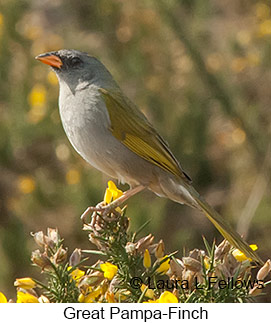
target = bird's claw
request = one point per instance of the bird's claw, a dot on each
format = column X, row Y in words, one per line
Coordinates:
column 101, row 211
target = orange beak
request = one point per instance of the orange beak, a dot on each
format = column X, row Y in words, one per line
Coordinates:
column 50, row 59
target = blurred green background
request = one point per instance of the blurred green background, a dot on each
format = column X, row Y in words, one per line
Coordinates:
column 200, row 71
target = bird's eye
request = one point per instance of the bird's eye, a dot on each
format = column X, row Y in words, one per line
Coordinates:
column 75, row 61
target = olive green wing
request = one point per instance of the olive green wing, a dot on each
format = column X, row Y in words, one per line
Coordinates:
column 131, row 127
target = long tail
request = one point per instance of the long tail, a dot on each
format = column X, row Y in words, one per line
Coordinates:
column 223, row 227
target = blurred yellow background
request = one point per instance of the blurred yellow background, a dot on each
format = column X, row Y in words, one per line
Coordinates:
column 200, row 71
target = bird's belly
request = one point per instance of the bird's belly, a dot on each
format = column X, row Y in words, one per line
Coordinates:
column 87, row 136
column 90, row 135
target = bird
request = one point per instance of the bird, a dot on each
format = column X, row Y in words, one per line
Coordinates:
column 114, row 136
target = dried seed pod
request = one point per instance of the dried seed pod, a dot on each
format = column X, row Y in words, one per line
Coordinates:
column 93, row 239
column 144, row 243
column 110, row 298
column 114, row 284
column 264, row 270
column 255, row 291
column 39, row 238
column 130, row 248
column 43, row 299
column 222, row 271
column 176, row 268
column 222, row 249
column 40, row 259
column 191, row 264
column 160, row 250
column 189, row 276
column 60, row 256
column 231, row 264
column 52, row 237
column 196, row 254
column 94, row 279
column 75, row 257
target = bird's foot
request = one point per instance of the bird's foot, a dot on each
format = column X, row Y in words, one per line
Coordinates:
column 100, row 210
column 104, row 210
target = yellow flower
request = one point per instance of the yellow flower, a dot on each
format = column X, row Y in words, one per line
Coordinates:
column 37, row 96
column 109, row 270
column 262, row 10
column 3, row 298
column 23, row 297
column 151, row 301
column 25, row 283
column 76, row 273
column 207, row 262
column 81, row 298
column 164, row 267
column 110, row 297
column 122, row 294
column 167, row 297
column 240, row 256
column 92, row 296
column 51, row 78
column 111, row 193
column 147, row 259
column 265, row 28
column 37, row 101
column 1, row 19
column 149, row 293
column 73, row 176
column 26, row 184
column 1, row 23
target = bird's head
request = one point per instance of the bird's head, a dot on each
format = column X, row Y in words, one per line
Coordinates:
column 77, row 68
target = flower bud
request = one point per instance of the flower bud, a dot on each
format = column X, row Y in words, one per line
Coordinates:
column 147, row 259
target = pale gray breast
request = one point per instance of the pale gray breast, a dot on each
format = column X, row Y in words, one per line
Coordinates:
column 85, row 121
